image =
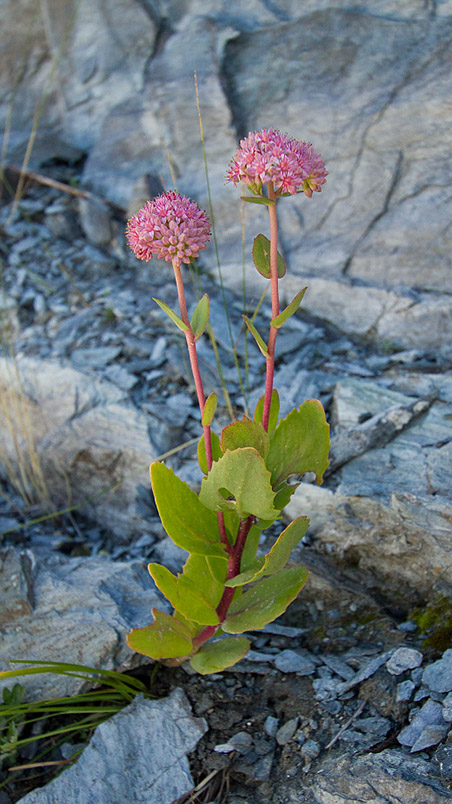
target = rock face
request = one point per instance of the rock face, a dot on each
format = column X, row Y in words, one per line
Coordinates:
column 389, row 515
column 70, row 610
column 138, row 755
column 94, row 448
column 385, row 778
column 351, row 77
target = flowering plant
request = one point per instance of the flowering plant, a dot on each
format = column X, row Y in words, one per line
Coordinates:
column 225, row 588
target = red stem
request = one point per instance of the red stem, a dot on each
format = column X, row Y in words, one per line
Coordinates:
column 270, row 366
column 228, row 594
column 191, row 345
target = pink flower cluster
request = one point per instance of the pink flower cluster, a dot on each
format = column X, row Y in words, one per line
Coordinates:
column 270, row 156
column 171, row 226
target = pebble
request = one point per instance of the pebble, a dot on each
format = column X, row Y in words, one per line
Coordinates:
column 403, row 659
column 289, row 661
column 447, row 707
column 271, row 725
column 438, row 676
column 240, row 742
column 287, row 731
column 426, row 729
column 310, row 749
column 404, row 691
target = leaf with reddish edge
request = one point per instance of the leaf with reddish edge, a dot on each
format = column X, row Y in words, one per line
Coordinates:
column 274, row 411
column 289, row 310
column 216, row 656
column 174, row 317
column 245, row 433
column 190, row 525
column 184, row 595
column 239, row 482
column 265, row 601
column 300, row 444
column 165, row 638
column 209, row 410
column 258, row 338
column 216, row 451
column 200, row 317
column 261, row 257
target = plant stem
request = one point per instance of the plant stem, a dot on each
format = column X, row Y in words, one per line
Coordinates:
column 191, row 345
column 275, row 305
column 234, row 562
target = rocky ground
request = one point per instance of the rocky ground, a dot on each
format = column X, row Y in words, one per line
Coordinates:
column 346, row 698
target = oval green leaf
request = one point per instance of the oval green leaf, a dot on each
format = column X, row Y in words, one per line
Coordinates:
column 216, row 656
column 209, row 410
column 190, row 525
column 200, row 317
column 274, row 411
column 300, row 444
column 242, row 474
column 245, row 433
column 165, row 638
column 261, row 257
column 265, row 601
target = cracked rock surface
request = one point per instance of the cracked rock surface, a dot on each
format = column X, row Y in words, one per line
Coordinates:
column 368, row 83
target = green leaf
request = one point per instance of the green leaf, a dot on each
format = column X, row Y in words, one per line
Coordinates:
column 245, row 433
column 200, row 317
column 240, row 482
column 216, row 451
column 165, row 638
column 209, row 579
column 289, row 310
column 190, row 525
column 178, row 321
column 250, row 549
column 265, row 601
column 260, row 341
column 209, row 410
column 248, row 575
column 261, row 257
column 257, row 199
column 216, row 656
column 274, row 411
column 278, row 556
column 300, row 444
column 284, row 494
column 184, row 595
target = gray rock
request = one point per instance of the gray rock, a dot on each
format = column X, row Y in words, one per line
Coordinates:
column 405, row 690
column 95, row 220
column 403, row 659
column 87, row 440
column 140, row 754
column 271, row 725
column 389, row 777
column 438, row 676
column 289, row 661
column 366, row 671
column 240, row 742
column 287, row 731
column 398, row 493
column 447, row 707
column 310, row 749
column 427, row 728
column 70, row 609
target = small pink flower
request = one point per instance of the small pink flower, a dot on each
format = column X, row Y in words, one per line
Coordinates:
column 269, row 156
column 171, row 226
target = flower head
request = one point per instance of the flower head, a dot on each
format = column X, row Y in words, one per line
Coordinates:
column 270, row 156
column 170, row 226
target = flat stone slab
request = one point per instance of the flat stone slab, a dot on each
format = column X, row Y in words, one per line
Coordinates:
column 70, row 610
column 139, row 755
